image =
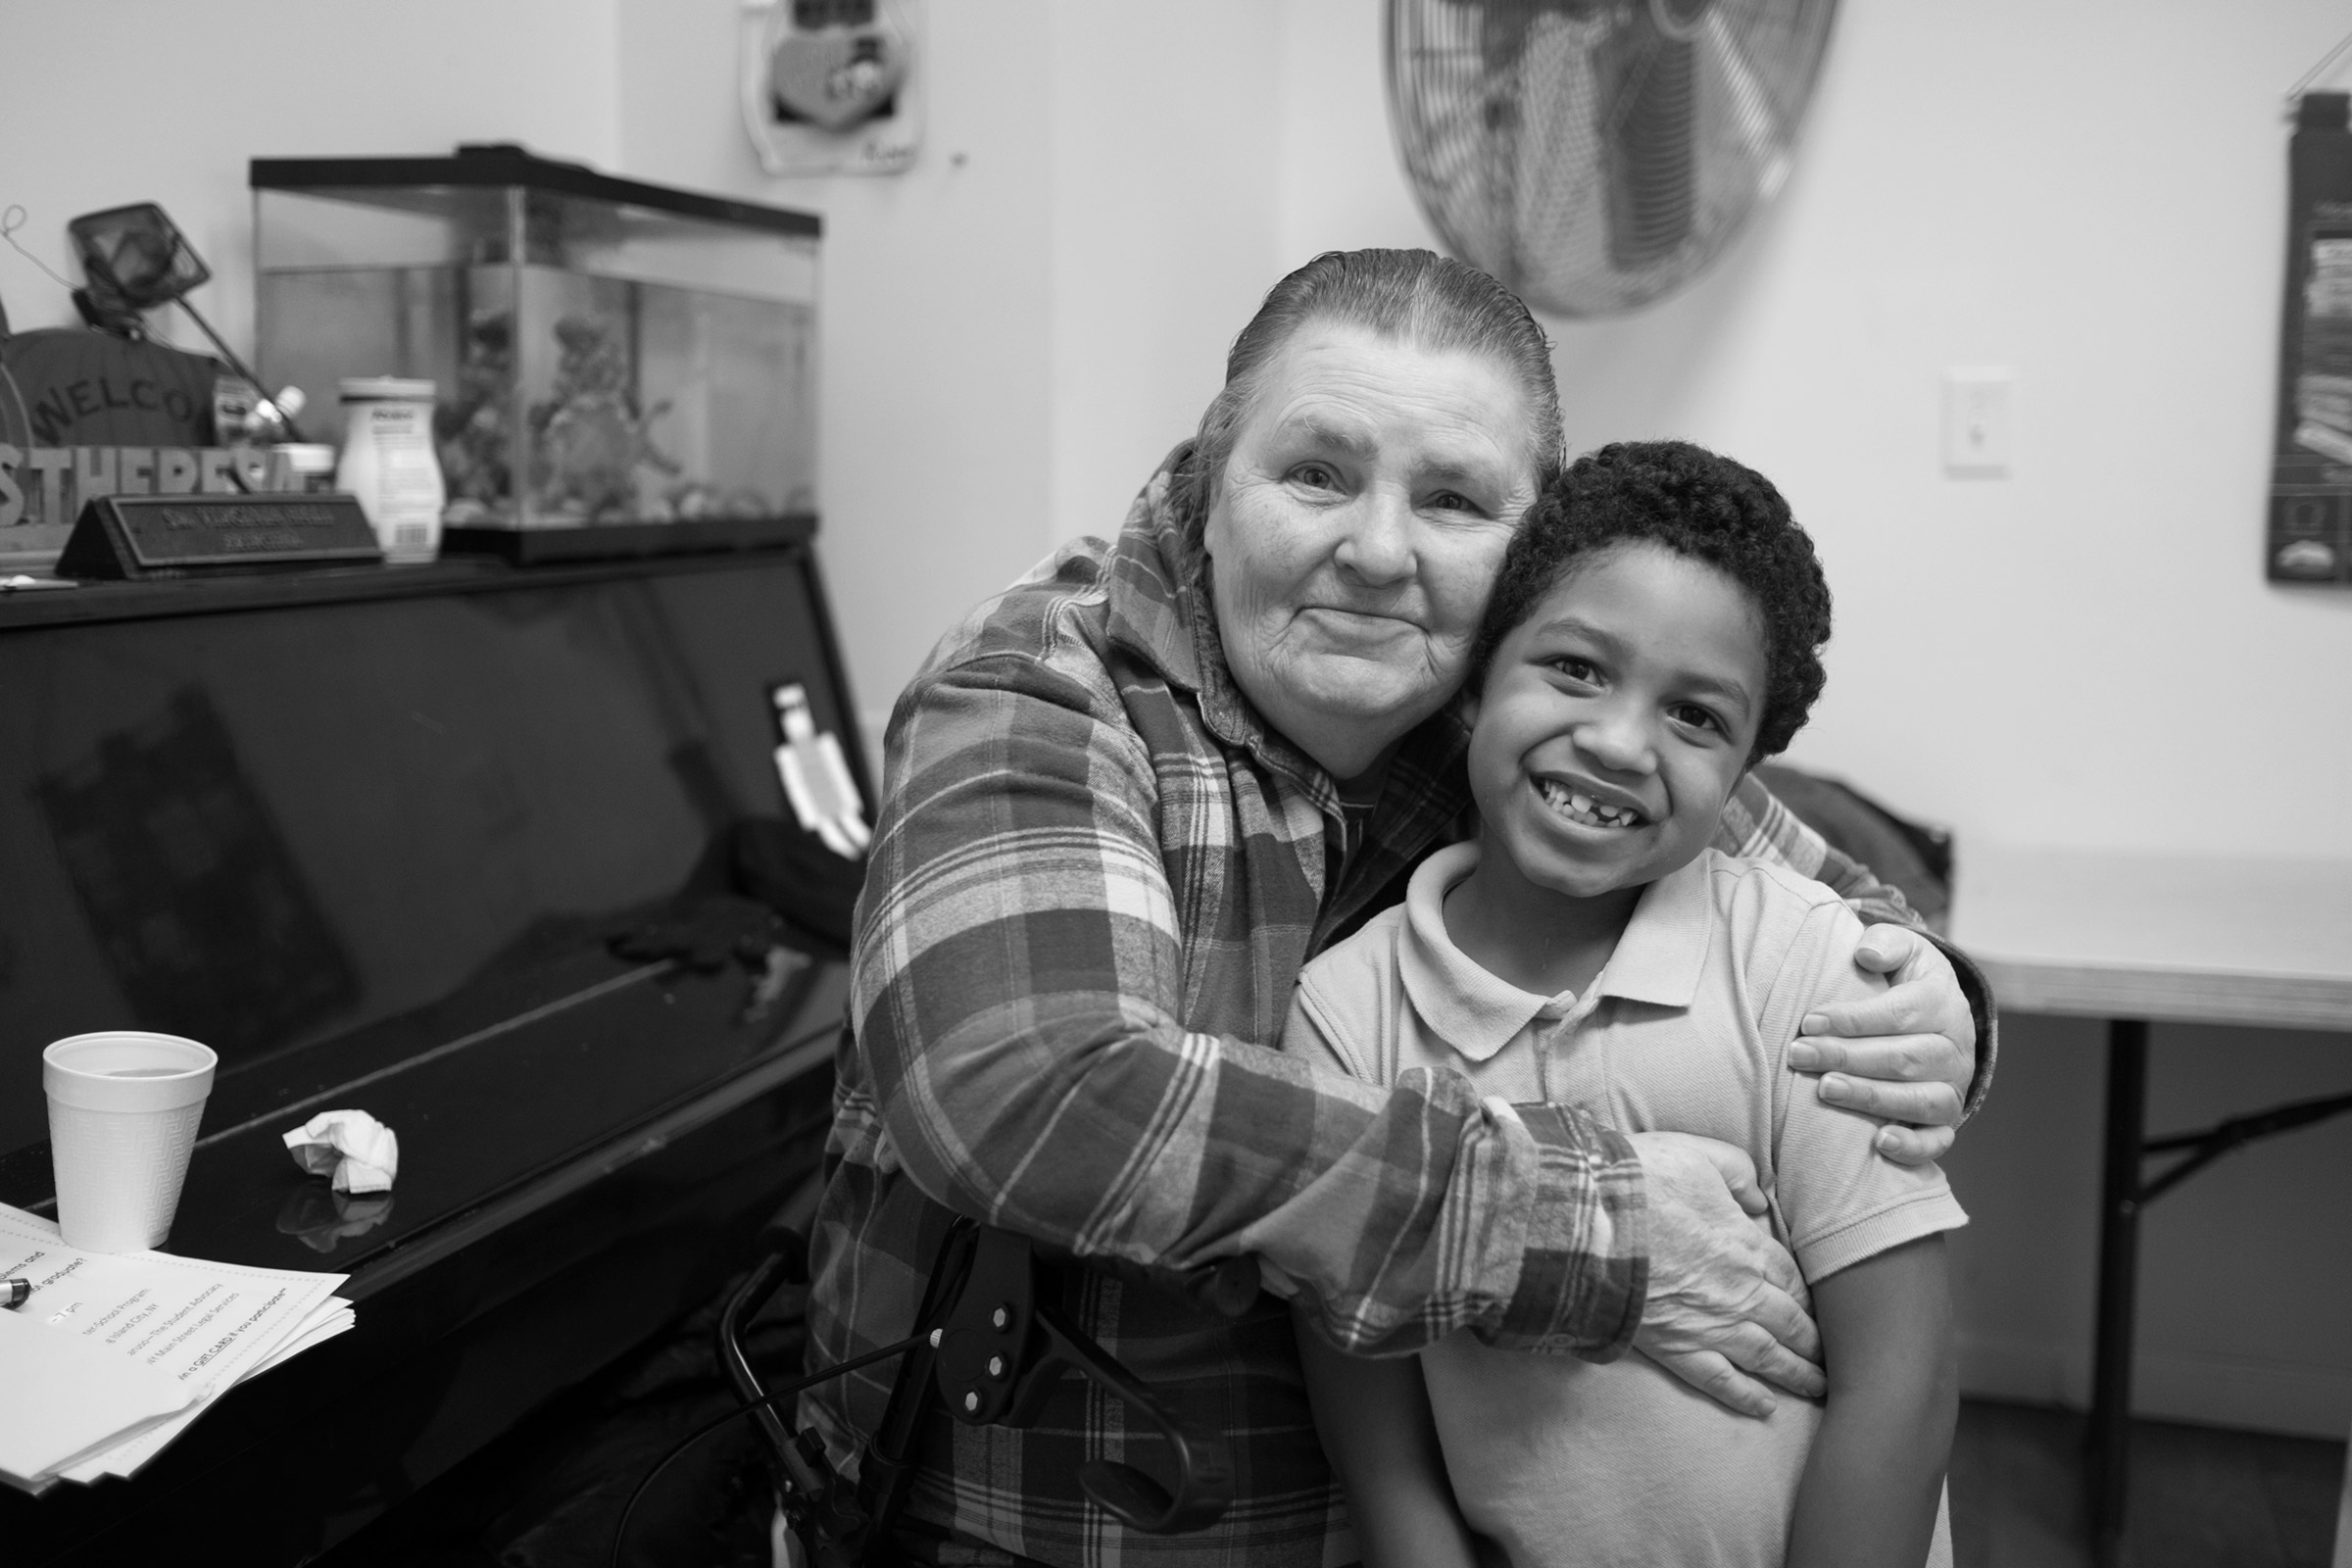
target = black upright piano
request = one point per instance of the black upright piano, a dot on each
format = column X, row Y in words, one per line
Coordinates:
column 371, row 835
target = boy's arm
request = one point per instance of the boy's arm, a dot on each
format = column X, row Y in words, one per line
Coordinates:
column 1381, row 1437
column 1876, row 1472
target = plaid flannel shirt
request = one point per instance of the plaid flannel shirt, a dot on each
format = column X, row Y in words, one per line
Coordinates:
column 1095, row 877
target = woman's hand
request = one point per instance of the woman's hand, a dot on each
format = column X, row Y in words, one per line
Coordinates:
column 1906, row 1055
column 1725, row 1300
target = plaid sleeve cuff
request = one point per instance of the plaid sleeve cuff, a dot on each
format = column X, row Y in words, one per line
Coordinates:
column 1583, row 1269
column 1982, row 1009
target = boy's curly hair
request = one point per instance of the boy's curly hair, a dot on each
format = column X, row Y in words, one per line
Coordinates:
column 1696, row 504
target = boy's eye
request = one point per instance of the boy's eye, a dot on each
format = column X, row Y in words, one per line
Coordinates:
column 1698, row 718
column 1573, row 668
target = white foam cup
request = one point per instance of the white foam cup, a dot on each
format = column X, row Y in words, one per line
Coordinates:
column 122, row 1113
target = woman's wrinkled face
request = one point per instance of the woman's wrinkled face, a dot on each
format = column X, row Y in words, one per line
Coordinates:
column 1361, row 519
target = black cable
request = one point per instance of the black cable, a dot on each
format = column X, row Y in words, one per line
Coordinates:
column 621, row 1532
column 293, row 430
column 16, row 395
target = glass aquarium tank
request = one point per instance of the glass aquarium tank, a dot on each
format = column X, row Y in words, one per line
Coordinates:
column 605, row 353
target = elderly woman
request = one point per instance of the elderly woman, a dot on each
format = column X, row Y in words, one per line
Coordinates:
column 1125, row 802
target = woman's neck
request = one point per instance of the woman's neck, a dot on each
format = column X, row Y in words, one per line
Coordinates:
column 1362, row 788
column 1535, row 938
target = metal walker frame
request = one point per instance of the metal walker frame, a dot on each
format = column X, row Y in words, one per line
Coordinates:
column 990, row 1348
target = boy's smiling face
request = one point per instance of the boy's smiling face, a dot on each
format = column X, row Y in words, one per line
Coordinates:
column 1615, row 722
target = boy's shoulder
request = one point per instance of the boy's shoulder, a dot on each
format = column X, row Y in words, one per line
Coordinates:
column 1737, row 879
column 1767, row 911
column 1368, row 951
column 1348, row 997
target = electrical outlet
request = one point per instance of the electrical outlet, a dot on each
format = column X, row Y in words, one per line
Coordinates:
column 1979, row 423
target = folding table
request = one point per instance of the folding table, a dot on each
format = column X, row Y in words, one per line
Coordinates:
column 2134, row 937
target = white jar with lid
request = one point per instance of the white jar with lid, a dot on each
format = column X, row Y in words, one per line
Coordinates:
column 303, row 466
column 388, row 463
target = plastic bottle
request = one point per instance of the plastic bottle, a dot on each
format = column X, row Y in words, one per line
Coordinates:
column 388, row 463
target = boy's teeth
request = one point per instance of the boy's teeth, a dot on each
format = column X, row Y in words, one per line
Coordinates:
column 1582, row 808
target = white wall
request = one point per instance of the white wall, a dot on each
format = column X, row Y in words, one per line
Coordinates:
column 1018, row 328
column 2092, row 194
column 107, row 102
column 934, row 467
column 1164, row 233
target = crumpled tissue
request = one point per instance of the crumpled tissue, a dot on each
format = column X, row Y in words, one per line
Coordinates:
column 363, row 1152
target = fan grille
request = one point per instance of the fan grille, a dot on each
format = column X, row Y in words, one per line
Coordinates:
column 1597, row 154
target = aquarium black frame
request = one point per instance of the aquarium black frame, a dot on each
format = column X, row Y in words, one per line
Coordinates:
column 496, row 164
column 508, row 166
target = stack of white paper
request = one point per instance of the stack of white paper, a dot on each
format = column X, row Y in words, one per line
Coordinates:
column 116, row 1353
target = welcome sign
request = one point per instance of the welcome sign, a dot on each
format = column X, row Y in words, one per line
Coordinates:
column 43, row 489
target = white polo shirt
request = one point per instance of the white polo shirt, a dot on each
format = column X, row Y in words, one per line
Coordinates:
column 1686, row 1029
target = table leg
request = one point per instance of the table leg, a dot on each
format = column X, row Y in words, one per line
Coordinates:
column 2118, row 1269
column 2343, row 1521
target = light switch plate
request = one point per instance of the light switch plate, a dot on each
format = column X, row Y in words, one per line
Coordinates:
column 1980, row 423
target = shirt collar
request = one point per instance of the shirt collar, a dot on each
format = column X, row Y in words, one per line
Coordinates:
column 1664, row 948
column 1473, row 1012
column 1155, row 594
column 1658, row 958
column 1160, row 608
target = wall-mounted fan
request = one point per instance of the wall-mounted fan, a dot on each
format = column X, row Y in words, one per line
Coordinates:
column 1597, row 154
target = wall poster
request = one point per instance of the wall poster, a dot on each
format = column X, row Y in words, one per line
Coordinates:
column 2311, row 475
column 833, row 86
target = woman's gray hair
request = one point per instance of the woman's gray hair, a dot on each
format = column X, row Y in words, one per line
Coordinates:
column 1430, row 300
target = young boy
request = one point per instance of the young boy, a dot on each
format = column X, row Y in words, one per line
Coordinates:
column 1654, row 634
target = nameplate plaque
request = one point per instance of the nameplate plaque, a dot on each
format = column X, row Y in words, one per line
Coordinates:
column 167, row 536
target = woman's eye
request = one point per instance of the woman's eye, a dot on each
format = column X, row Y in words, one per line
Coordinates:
column 1315, row 475
column 1574, row 668
column 1452, row 501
